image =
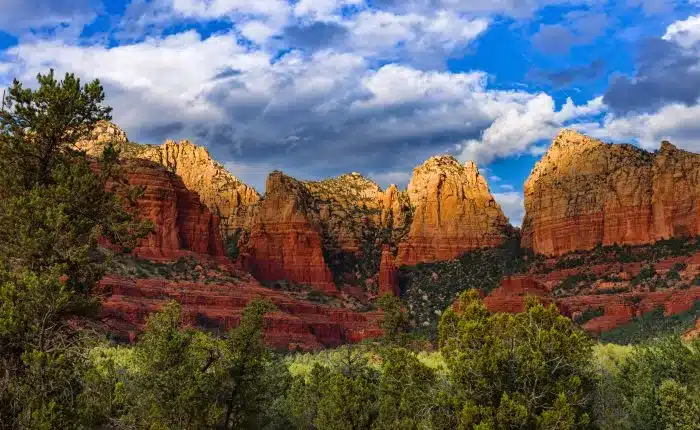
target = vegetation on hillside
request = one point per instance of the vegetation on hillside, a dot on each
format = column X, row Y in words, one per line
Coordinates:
column 653, row 325
column 56, row 204
column 429, row 288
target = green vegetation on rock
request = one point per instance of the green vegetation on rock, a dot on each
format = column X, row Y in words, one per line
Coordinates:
column 429, row 288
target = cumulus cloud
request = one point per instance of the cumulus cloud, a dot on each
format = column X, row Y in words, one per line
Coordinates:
column 512, row 204
column 685, row 33
column 19, row 15
column 675, row 122
column 321, row 87
column 518, row 125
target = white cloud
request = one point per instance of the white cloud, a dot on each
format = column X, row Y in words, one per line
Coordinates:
column 417, row 38
column 507, row 187
column 223, row 8
column 385, row 179
column 519, row 124
column 512, row 204
column 677, row 123
column 17, row 15
column 686, row 33
column 322, row 10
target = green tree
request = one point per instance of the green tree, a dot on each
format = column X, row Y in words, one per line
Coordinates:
column 247, row 361
column 403, row 391
column 175, row 378
column 395, row 323
column 660, row 382
column 526, row 370
column 341, row 395
column 56, row 203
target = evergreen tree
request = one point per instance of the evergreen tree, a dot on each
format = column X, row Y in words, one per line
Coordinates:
column 526, row 370
column 56, row 204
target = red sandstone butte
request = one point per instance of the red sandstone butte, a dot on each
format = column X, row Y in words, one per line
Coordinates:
column 182, row 224
column 219, row 306
column 284, row 242
column 454, row 212
column 585, row 192
column 388, row 273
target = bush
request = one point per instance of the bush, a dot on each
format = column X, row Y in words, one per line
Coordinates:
column 647, row 272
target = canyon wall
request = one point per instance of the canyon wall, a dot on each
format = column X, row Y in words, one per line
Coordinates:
column 285, row 242
column 584, row 192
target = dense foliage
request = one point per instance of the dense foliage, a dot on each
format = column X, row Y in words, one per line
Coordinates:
column 56, row 204
column 653, row 325
column 429, row 288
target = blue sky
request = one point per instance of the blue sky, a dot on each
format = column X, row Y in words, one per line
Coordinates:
column 317, row 88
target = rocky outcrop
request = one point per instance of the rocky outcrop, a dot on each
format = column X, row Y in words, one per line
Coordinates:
column 454, row 212
column 584, row 192
column 296, row 324
column 181, row 223
column 225, row 195
column 388, row 273
column 610, row 304
column 285, row 242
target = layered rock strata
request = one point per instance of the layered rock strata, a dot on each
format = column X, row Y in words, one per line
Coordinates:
column 615, row 303
column 296, row 324
column 181, row 223
column 454, row 212
column 225, row 195
column 584, row 192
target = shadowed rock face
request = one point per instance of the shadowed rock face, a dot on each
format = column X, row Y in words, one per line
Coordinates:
column 454, row 212
column 285, row 242
column 301, row 231
column 181, row 223
column 225, row 195
column 584, row 192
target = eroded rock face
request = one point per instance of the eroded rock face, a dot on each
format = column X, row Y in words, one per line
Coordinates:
column 454, row 212
column 225, row 195
column 285, row 242
column 614, row 303
column 219, row 306
column 584, row 192
column 181, row 223
column 388, row 273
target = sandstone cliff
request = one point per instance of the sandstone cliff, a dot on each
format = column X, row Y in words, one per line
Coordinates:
column 224, row 194
column 584, row 192
column 181, row 223
column 454, row 212
column 285, row 242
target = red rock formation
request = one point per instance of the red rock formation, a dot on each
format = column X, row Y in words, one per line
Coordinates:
column 284, row 243
column 219, row 306
column 618, row 308
column 182, row 224
column 511, row 295
column 388, row 273
column 454, row 212
column 584, row 192
column 225, row 195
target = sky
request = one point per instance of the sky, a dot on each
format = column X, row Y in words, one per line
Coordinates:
column 317, row 88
